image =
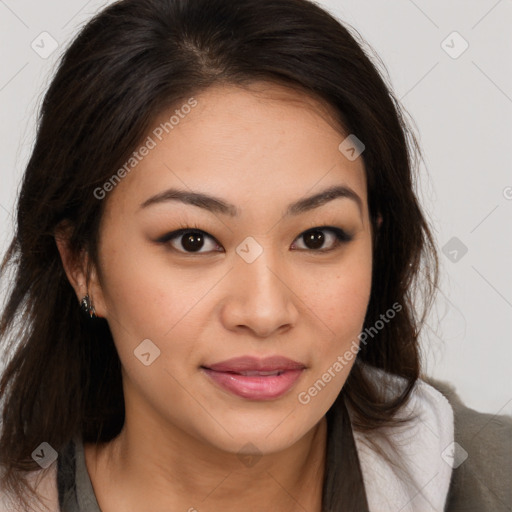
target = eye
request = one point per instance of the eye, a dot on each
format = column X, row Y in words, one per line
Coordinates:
column 315, row 238
column 190, row 240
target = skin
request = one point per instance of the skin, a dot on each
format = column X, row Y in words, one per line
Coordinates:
column 259, row 148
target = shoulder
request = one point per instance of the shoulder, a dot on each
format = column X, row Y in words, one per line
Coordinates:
column 482, row 465
column 404, row 466
column 44, row 482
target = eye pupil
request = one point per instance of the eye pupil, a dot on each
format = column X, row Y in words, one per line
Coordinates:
column 192, row 242
column 314, row 239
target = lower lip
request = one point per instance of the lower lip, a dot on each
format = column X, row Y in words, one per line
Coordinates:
column 262, row 387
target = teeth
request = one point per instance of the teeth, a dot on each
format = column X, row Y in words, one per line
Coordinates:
column 260, row 374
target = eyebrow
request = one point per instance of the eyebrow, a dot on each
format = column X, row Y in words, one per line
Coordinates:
column 217, row 205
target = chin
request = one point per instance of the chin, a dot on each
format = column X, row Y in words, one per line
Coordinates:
column 260, row 434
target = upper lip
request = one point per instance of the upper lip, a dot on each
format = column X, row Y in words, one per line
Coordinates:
column 249, row 363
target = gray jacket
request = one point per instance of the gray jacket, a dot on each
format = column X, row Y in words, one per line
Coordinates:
column 483, row 482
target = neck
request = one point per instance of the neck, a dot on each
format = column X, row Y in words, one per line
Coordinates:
column 169, row 470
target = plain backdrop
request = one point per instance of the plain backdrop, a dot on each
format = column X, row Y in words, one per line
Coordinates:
column 449, row 63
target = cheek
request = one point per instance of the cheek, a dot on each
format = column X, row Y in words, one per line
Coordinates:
column 347, row 302
column 142, row 290
column 150, row 298
column 339, row 299
column 339, row 309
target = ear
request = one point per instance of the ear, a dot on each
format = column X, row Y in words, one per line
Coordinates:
column 83, row 280
column 379, row 220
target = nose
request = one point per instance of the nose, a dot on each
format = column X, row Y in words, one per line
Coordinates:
column 260, row 298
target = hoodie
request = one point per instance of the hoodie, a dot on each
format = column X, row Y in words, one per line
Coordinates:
column 449, row 458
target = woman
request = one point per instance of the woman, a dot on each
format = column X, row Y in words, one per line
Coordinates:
column 217, row 257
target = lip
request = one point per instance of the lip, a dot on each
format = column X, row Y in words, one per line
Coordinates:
column 250, row 363
column 254, row 378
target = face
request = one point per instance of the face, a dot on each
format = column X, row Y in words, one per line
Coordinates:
column 260, row 272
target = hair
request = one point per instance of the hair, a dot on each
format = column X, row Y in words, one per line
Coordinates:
column 131, row 62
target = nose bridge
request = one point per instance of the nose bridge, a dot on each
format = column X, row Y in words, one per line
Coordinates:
column 259, row 298
column 257, row 268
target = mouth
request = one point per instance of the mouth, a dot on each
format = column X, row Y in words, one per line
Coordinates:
column 255, row 379
column 258, row 373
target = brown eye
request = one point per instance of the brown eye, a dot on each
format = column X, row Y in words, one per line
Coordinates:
column 314, row 239
column 190, row 241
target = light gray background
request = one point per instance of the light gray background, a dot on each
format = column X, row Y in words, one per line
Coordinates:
column 462, row 108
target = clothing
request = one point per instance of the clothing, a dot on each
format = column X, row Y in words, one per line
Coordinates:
column 421, row 478
column 481, row 483
column 74, row 486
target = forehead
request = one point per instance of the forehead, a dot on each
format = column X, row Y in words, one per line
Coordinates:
column 242, row 142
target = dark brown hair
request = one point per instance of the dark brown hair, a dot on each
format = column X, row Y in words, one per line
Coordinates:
column 132, row 61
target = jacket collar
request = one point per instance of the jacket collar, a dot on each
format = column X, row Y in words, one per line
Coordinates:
column 416, row 475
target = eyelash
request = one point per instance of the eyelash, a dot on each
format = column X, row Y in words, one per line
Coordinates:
column 342, row 237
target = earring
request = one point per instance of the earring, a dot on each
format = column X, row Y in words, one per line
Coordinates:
column 87, row 307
